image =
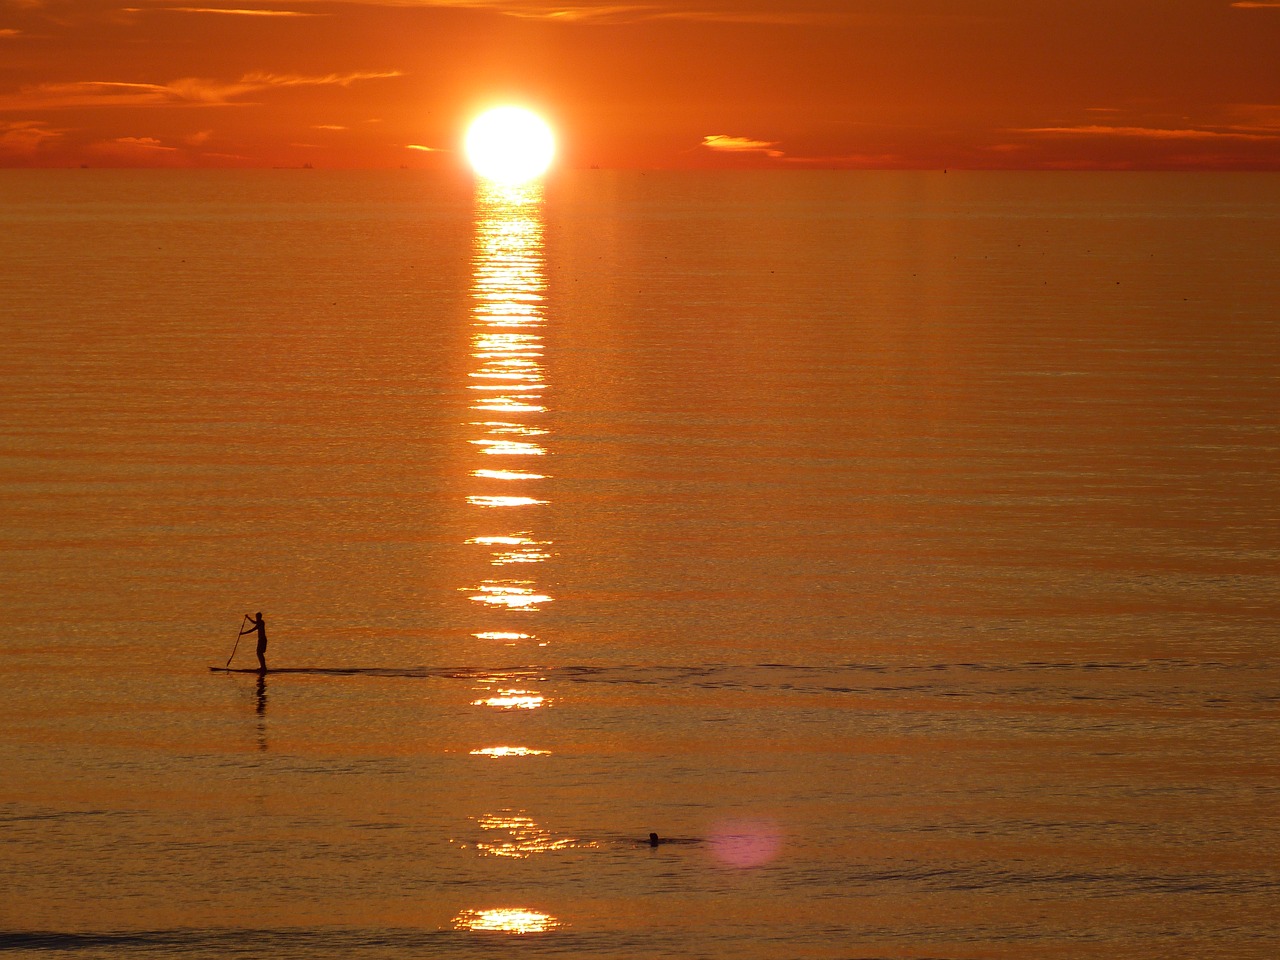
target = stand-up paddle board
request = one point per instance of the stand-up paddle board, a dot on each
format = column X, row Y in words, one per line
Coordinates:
column 336, row 671
column 446, row 673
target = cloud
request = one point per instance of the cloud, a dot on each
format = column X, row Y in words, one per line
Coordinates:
column 729, row 144
column 616, row 13
column 706, row 11
column 1255, row 117
column 418, row 146
column 622, row 13
column 130, row 150
column 25, row 136
column 188, row 91
column 233, row 11
column 198, row 138
column 327, row 126
column 263, row 80
column 110, row 93
column 749, row 12
column 140, row 143
column 1255, row 5
column 238, row 12
column 1150, row 133
column 7, row 32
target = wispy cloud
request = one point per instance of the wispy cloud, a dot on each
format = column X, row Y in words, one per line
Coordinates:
column 418, row 146
column 140, row 143
column 46, row 96
column 230, row 11
column 7, row 32
column 749, row 12
column 1150, row 133
column 134, row 150
column 264, row 80
column 708, row 11
column 1255, row 5
column 1255, row 117
column 188, row 91
column 25, row 136
column 727, row 144
column 599, row 13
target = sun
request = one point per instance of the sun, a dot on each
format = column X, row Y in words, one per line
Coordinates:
column 510, row 145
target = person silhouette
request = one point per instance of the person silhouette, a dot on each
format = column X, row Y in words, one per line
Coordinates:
column 259, row 625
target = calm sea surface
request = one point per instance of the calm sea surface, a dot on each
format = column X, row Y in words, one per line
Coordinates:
column 906, row 546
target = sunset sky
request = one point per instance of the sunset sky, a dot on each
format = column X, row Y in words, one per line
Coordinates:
column 645, row 84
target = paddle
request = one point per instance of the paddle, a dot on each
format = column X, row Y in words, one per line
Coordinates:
column 238, row 636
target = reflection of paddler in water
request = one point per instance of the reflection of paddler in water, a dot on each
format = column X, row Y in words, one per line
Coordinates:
column 261, row 626
column 261, row 697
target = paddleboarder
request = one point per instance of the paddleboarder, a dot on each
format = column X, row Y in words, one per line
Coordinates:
column 260, row 625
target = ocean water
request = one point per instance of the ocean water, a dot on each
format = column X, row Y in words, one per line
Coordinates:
column 902, row 546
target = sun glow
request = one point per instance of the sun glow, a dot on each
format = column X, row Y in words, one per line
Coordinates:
column 510, row 145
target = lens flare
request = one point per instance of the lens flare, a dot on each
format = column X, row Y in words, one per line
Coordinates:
column 746, row 843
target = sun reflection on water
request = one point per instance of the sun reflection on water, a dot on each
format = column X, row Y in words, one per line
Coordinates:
column 509, row 405
column 517, row 920
column 506, row 475
column 512, row 700
column 498, row 753
column 502, row 426
column 508, row 293
column 522, row 555
column 492, row 501
column 507, row 380
column 518, row 837
column 508, row 594
column 509, row 448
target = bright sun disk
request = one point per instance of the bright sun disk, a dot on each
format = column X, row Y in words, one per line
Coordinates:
column 510, row 144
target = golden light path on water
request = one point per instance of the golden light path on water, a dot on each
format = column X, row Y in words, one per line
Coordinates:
column 508, row 292
column 506, row 388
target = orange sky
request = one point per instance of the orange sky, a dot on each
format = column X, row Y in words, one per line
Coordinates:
column 649, row 83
